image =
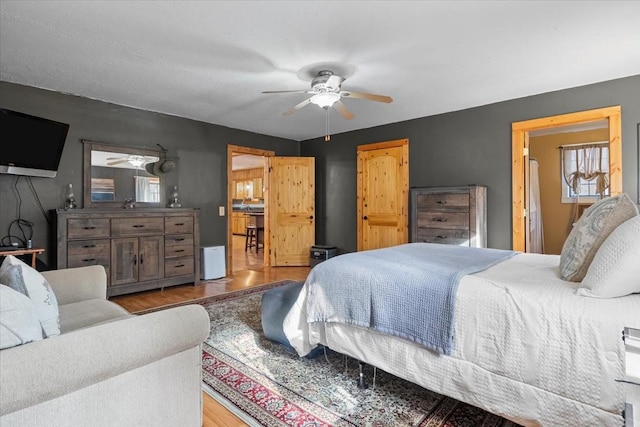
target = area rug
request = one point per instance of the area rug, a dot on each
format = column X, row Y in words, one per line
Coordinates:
column 267, row 384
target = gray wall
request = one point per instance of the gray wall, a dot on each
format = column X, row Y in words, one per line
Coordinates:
column 201, row 172
column 471, row 146
column 459, row 148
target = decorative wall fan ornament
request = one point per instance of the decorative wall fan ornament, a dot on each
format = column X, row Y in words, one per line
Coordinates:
column 326, row 91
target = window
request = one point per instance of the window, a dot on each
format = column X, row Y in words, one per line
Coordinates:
column 585, row 170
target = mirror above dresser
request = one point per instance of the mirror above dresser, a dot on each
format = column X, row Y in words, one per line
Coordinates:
column 114, row 175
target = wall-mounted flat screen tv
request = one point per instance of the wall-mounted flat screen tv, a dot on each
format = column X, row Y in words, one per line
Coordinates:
column 30, row 145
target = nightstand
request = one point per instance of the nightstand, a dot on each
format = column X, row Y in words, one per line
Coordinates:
column 631, row 339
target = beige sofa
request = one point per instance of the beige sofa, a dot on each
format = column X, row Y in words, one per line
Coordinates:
column 107, row 367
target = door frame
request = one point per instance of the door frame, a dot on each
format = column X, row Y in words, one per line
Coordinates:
column 404, row 144
column 241, row 150
column 520, row 153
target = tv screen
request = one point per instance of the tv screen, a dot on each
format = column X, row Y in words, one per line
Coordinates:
column 30, row 145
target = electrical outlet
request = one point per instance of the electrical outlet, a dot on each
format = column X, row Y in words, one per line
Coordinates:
column 221, row 210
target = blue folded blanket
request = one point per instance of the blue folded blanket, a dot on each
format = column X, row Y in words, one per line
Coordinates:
column 406, row 290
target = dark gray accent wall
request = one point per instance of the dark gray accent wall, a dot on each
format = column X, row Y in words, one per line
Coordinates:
column 471, row 146
column 201, row 171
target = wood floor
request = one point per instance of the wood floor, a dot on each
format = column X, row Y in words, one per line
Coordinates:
column 250, row 271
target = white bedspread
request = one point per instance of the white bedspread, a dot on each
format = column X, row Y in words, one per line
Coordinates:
column 526, row 346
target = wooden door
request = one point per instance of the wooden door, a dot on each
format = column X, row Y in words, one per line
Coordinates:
column 151, row 258
column 290, row 210
column 383, row 194
column 124, row 261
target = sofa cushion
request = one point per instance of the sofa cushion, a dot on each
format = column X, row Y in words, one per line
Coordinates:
column 22, row 278
column 19, row 323
column 615, row 270
column 87, row 313
column 593, row 227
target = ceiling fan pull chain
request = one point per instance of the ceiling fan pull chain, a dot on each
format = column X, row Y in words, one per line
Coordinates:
column 327, row 136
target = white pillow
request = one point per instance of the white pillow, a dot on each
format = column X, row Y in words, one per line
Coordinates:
column 615, row 269
column 24, row 279
column 19, row 323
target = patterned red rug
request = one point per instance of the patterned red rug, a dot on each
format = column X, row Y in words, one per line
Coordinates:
column 266, row 384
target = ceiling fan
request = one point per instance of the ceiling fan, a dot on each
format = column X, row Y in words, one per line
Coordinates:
column 134, row 160
column 326, row 88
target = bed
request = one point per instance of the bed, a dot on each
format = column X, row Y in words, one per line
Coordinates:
column 525, row 345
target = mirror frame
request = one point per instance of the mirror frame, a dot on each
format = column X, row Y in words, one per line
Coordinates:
column 88, row 147
column 520, row 167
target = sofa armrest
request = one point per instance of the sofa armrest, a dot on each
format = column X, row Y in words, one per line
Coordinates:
column 47, row 369
column 78, row 284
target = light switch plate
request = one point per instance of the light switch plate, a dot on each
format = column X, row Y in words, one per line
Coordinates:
column 221, row 210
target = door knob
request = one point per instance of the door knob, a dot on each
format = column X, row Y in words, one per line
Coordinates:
column 365, row 217
column 311, row 217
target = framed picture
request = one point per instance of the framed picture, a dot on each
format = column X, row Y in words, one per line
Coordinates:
column 102, row 189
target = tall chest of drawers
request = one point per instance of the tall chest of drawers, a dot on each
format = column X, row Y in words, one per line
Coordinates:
column 140, row 249
column 449, row 215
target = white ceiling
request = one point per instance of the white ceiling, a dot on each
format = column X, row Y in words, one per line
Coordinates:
column 210, row 60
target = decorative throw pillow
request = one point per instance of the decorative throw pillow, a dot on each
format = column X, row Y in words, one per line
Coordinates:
column 19, row 323
column 24, row 279
column 593, row 227
column 615, row 270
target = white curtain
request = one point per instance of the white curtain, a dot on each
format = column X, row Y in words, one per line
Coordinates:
column 147, row 189
column 586, row 164
column 536, row 236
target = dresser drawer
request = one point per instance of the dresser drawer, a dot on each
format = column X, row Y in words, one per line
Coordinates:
column 173, row 251
column 178, row 240
column 445, row 220
column 87, row 228
column 88, row 252
column 444, row 236
column 136, row 226
column 178, row 225
column 178, row 267
column 458, row 202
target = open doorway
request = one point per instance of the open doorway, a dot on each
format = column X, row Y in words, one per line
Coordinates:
column 246, row 227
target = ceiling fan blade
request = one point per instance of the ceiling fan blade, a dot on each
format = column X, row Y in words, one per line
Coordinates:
column 292, row 110
column 367, row 96
column 117, row 158
column 117, row 162
column 285, row 91
column 342, row 109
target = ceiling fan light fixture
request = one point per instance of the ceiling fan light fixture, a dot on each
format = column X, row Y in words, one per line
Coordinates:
column 136, row 161
column 325, row 100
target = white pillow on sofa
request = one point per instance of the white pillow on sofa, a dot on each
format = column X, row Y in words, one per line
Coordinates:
column 588, row 234
column 615, row 269
column 24, row 279
column 19, row 323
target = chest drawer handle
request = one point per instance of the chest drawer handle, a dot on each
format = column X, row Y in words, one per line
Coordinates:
column 179, row 250
column 89, row 228
column 89, row 246
column 138, row 226
column 441, row 237
column 179, row 265
column 179, row 224
column 442, row 202
column 179, row 240
column 88, row 260
column 441, row 220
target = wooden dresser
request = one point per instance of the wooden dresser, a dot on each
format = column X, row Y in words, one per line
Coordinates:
column 141, row 249
column 449, row 215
